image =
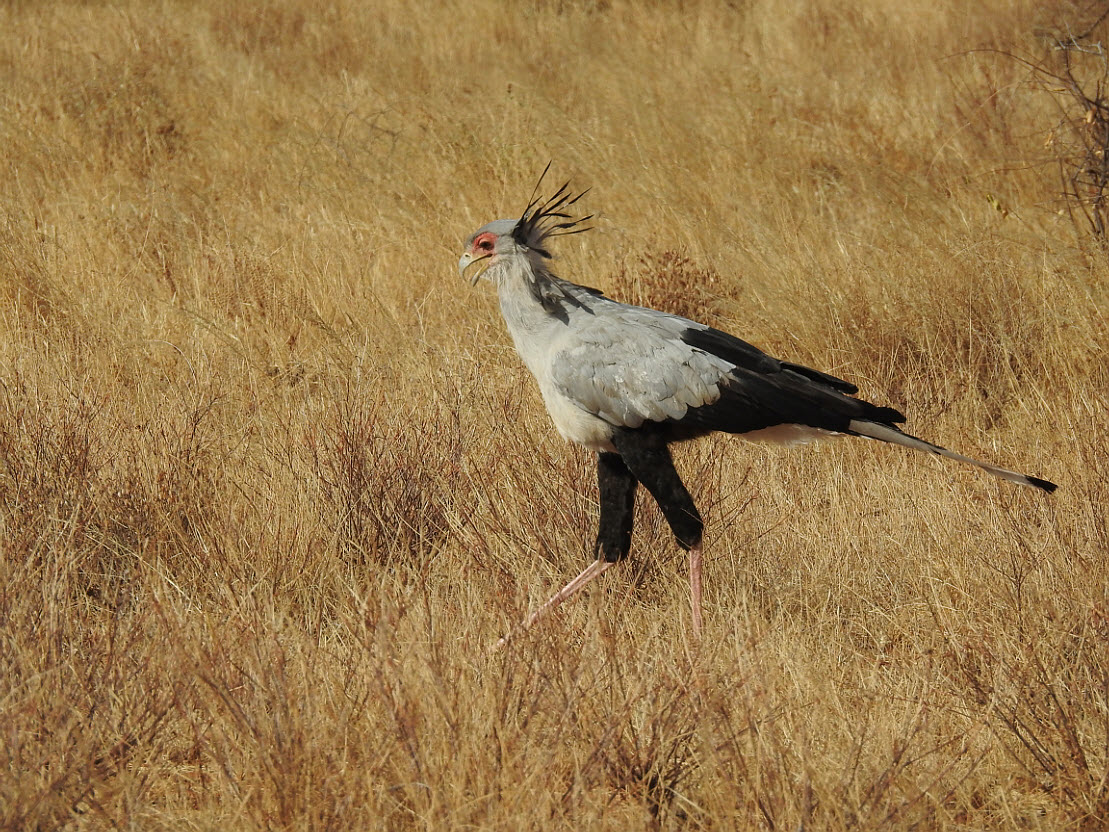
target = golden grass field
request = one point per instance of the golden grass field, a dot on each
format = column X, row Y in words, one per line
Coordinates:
column 273, row 480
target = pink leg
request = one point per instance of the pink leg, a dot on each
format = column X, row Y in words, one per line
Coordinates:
column 695, row 589
column 597, row 567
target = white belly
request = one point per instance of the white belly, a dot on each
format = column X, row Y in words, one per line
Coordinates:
column 575, row 424
column 788, row 434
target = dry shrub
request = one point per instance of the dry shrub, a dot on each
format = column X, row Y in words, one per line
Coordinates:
column 1074, row 73
column 671, row 281
column 89, row 699
column 1045, row 698
column 387, row 488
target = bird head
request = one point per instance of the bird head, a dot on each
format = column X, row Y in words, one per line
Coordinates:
column 491, row 245
column 503, row 241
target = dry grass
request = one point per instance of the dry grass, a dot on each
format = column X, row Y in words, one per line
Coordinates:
column 272, row 479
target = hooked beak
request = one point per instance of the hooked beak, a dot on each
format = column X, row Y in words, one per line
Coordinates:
column 467, row 260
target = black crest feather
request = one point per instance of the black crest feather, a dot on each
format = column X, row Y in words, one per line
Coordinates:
column 545, row 218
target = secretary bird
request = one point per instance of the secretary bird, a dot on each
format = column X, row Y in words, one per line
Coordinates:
column 626, row 382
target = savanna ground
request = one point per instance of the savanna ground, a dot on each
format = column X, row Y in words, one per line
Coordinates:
column 272, row 480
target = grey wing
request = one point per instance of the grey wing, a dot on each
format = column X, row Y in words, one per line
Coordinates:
column 629, row 372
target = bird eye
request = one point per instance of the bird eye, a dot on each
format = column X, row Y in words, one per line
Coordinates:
column 485, row 245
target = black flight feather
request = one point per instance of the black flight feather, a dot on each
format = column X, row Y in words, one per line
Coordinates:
column 764, row 392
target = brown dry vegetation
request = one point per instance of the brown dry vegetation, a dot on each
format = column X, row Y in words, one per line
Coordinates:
column 272, row 480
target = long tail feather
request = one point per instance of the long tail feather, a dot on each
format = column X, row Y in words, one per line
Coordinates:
column 887, row 433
